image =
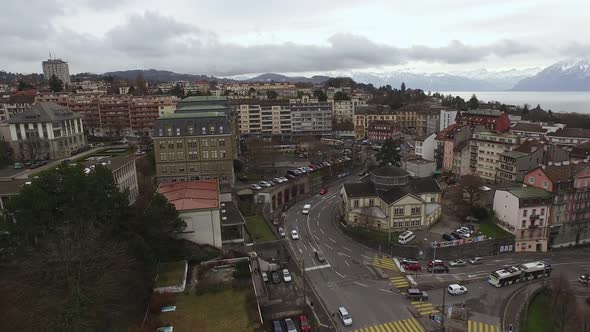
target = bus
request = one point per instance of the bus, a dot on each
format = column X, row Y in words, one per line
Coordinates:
column 519, row 273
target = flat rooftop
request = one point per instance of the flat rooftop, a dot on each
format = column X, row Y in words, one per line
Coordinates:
column 191, row 195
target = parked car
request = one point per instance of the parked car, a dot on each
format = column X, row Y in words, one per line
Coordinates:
column 476, row 260
column 256, row 187
column 277, row 180
column 416, row 267
column 408, row 261
column 416, row 295
column 457, row 263
column 287, row 276
column 584, row 279
column 282, row 232
column 284, row 179
column 285, row 208
column 294, row 235
column 439, row 269
column 264, row 276
column 18, row 165
column 436, row 262
column 264, row 184
column 320, row 256
column 290, row 176
column 290, row 325
column 323, row 191
column 306, row 208
column 464, row 229
column 448, row 237
column 463, row 233
column 305, row 326
column 456, row 236
column 344, row 316
column 456, row 289
column 275, row 278
column 277, row 326
column 327, row 163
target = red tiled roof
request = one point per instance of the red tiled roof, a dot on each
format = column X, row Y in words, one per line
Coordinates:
column 191, row 195
column 564, row 172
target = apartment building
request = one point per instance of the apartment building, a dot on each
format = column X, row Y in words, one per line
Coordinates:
column 9, row 109
column 56, row 67
column 447, row 140
column 379, row 131
column 447, row 117
column 487, row 146
column 528, row 129
column 491, row 119
column 570, row 209
column 424, row 146
column 194, row 145
column 311, row 119
column 344, row 109
column 88, row 106
column 569, row 137
column 46, row 130
column 366, row 114
column 516, row 163
column 524, row 212
column 462, row 158
column 264, row 118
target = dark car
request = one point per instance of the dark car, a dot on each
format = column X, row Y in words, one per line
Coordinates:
column 416, row 294
column 456, row 236
column 285, row 208
column 439, row 269
column 275, row 278
column 277, row 326
column 448, row 237
column 584, row 279
column 320, row 256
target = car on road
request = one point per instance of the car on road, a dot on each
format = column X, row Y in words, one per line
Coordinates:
column 476, row 260
column 344, row 316
column 287, row 276
column 436, row 262
column 305, row 326
column 438, row 269
column 456, row 289
column 275, row 278
column 416, row 295
column 277, row 326
column 290, row 325
column 285, row 208
column 320, row 256
column 284, row 179
column 448, row 237
column 256, row 187
column 264, row 276
column 323, row 191
column 415, row 267
column 484, row 188
column 294, row 235
column 18, row 165
column 282, row 232
column 457, row 263
column 584, row 279
column 306, row 208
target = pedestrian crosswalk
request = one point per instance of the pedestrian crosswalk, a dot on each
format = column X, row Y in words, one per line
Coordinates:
column 406, row 325
column 399, row 282
column 474, row 326
column 424, row 308
column 385, row 263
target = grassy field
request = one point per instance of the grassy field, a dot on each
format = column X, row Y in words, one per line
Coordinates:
column 210, row 312
column 538, row 312
column 258, row 229
column 170, row 274
column 490, row 229
column 365, row 235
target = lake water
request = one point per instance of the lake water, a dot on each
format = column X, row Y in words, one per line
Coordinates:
column 557, row 101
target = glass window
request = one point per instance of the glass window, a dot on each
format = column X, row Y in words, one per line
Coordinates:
column 356, row 203
column 524, row 213
column 531, row 179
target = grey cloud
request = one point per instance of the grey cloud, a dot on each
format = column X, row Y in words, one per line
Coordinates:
column 575, row 49
column 28, row 21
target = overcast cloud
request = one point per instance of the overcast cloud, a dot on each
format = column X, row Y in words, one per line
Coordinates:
column 231, row 38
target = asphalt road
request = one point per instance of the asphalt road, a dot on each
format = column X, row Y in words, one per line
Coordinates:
column 346, row 279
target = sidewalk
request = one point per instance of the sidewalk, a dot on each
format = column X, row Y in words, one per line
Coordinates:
column 516, row 304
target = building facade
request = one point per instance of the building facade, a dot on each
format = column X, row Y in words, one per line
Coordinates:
column 123, row 170
column 56, row 67
column 46, row 130
column 524, row 212
column 491, row 119
column 311, row 119
column 447, row 118
column 424, row 146
column 488, row 146
column 379, row 131
column 569, row 137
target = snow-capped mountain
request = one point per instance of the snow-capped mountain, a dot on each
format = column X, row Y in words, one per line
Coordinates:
column 424, row 81
column 568, row 75
column 502, row 79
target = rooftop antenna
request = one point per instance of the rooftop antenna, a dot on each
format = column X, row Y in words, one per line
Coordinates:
column 49, row 54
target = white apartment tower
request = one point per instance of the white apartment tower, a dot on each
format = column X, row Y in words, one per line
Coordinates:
column 56, row 67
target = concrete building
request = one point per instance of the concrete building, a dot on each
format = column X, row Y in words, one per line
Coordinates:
column 379, row 131
column 311, row 119
column 491, row 119
column 56, row 67
column 46, row 130
column 524, row 212
column 424, row 146
column 447, row 140
column 528, row 129
column 264, row 118
column 390, row 200
column 570, row 211
column 516, row 163
column 462, row 159
column 569, row 137
column 447, row 117
column 123, row 169
column 189, row 146
column 343, row 110
column 487, row 146
column 418, row 167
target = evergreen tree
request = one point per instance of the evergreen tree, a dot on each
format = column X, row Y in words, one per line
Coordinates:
column 320, row 95
column 473, row 103
column 403, row 87
column 55, row 84
column 390, row 153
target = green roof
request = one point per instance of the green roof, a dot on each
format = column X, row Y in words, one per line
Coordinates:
column 514, row 154
column 529, row 192
column 191, row 115
column 214, row 107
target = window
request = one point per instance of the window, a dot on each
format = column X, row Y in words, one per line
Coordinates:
column 531, row 180
column 211, row 129
column 398, row 211
column 205, row 154
column 524, row 212
column 171, row 156
column 177, row 131
column 523, row 223
column 180, row 155
column 534, row 212
column 371, row 202
column 223, row 153
column 356, row 203
column 205, row 142
column 204, row 130
column 179, row 144
column 221, row 129
column 221, row 142
column 416, row 210
column 192, row 155
column 543, row 211
column 214, row 154
column 163, row 156
column 545, row 184
column 191, row 130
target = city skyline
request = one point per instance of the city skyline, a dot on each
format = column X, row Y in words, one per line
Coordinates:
column 240, row 39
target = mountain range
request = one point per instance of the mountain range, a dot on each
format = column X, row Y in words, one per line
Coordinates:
column 567, row 75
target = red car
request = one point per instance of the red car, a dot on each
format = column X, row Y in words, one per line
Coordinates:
column 323, row 191
column 416, row 267
column 305, row 327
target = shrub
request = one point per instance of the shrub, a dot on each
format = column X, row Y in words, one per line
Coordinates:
column 480, row 213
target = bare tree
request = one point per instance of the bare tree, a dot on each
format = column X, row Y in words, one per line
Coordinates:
column 470, row 185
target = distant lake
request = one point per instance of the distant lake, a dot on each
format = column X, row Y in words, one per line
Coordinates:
column 557, row 101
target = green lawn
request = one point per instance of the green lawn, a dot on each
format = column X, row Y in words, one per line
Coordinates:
column 170, row 273
column 490, row 229
column 538, row 314
column 364, row 234
column 211, row 312
column 259, row 230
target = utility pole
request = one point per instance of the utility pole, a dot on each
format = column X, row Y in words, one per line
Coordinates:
column 442, row 322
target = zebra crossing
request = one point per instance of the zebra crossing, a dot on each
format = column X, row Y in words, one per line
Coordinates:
column 399, row 282
column 406, row 325
column 424, row 307
column 474, row 326
column 385, row 263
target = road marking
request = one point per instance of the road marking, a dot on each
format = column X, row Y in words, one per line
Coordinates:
column 358, row 283
column 343, row 254
column 385, row 290
column 317, row 267
column 366, row 256
column 321, row 230
column 341, row 276
column 329, row 246
column 331, row 239
column 317, row 237
column 345, row 261
column 304, row 246
column 346, row 249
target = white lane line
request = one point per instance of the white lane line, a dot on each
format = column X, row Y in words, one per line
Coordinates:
column 317, row 267
column 341, row 276
column 321, row 230
column 366, row 256
column 304, row 246
column 358, row 283
column 346, row 249
column 331, row 239
column 385, row 290
column 345, row 261
column 343, row 254
column 317, row 237
column 329, row 246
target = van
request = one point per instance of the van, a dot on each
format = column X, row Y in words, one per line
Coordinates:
column 406, row 237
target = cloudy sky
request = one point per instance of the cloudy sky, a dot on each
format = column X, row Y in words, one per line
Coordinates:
column 237, row 37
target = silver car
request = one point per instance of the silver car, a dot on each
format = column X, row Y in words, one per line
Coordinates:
column 457, row 263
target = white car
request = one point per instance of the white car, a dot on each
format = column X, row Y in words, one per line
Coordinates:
column 264, row 184
column 294, row 235
column 456, row 289
column 287, row 276
column 484, row 188
column 306, row 208
column 463, row 233
column 344, row 316
column 256, row 187
column 284, row 179
column 282, row 232
column 277, row 180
